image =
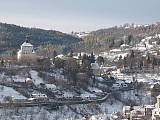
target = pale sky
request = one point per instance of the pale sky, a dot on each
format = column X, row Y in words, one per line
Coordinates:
column 78, row 15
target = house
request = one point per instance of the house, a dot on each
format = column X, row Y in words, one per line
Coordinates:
column 156, row 114
column 92, row 118
column 26, row 52
column 124, row 46
column 156, row 111
column 126, row 111
column 148, row 111
column 51, row 86
column 39, row 95
column 158, row 102
column 115, row 51
column 138, row 113
column 141, row 47
column 95, row 68
column 119, row 85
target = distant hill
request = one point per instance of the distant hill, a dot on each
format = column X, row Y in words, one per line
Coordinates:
column 46, row 41
column 12, row 36
column 113, row 37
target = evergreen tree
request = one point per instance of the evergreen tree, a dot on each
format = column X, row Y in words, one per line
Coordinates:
column 84, row 57
column 130, row 38
column 148, row 58
column 92, row 58
column 132, row 54
column 71, row 53
column 100, row 60
column 154, row 62
column 54, row 55
column 2, row 62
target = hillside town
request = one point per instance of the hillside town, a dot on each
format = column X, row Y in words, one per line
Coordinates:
column 121, row 83
column 79, row 60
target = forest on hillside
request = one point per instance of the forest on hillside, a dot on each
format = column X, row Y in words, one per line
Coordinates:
column 109, row 38
column 48, row 41
column 12, row 36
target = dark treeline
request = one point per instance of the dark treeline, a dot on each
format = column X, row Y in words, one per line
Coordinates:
column 12, row 36
column 47, row 41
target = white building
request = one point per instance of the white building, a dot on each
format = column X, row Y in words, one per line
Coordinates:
column 26, row 52
column 156, row 111
column 124, row 46
column 156, row 114
column 96, row 69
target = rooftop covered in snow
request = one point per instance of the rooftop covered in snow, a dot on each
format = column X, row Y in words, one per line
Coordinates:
column 27, row 44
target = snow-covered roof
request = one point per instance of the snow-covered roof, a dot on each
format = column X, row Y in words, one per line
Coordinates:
column 124, row 45
column 138, row 112
column 141, row 48
column 94, row 66
column 36, row 79
column 109, row 68
column 39, row 95
column 115, row 50
column 27, row 44
column 87, row 94
column 18, row 78
column 156, row 109
column 60, row 56
column 76, row 57
column 92, row 118
column 120, row 82
column 149, row 106
column 158, row 96
column 28, row 79
column 138, row 107
column 116, row 86
column 94, row 89
column 126, row 107
column 51, row 86
column 99, row 78
column 31, row 99
column 68, row 94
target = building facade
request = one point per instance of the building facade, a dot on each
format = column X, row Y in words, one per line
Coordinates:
column 26, row 52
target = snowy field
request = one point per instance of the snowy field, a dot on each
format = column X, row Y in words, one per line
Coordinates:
column 99, row 111
column 36, row 79
column 7, row 91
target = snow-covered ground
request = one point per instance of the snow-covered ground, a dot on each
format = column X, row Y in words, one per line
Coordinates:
column 145, row 43
column 114, row 54
column 68, row 94
column 87, row 94
column 150, row 78
column 7, row 91
column 18, row 78
column 21, row 78
column 36, row 79
column 94, row 89
column 57, row 74
column 99, row 111
column 141, row 96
